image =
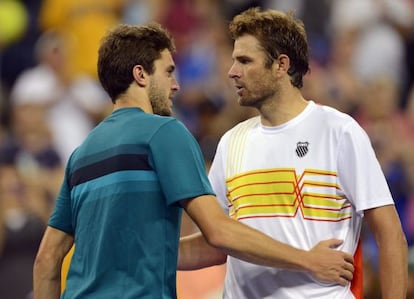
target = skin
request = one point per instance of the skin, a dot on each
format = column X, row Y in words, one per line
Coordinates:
column 159, row 96
column 48, row 263
column 220, row 236
column 269, row 91
column 254, row 83
column 385, row 225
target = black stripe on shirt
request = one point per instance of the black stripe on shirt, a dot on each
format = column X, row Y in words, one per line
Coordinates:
column 107, row 166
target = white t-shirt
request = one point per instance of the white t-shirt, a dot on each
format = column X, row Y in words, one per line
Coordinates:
column 307, row 180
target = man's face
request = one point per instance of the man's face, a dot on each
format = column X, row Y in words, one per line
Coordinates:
column 255, row 82
column 163, row 85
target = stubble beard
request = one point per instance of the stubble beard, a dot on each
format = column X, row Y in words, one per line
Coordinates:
column 256, row 100
column 158, row 101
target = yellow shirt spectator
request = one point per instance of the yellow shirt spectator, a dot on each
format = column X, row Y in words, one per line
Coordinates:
column 83, row 23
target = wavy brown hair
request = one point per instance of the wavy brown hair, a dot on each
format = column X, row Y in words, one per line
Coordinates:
column 278, row 33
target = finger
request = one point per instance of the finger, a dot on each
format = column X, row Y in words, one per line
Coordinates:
column 343, row 282
column 348, row 258
column 350, row 267
column 347, row 275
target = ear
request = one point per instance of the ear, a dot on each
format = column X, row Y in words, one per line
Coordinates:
column 140, row 76
column 283, row 63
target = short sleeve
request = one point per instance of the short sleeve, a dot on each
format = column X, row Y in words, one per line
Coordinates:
column 179, row 163
column 360, row 174
column 61, row 217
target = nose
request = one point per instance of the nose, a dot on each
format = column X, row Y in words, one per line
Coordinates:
column 175, row 86
column 233, row 72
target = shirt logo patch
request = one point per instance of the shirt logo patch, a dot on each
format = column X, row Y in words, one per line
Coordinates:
column 302, row 148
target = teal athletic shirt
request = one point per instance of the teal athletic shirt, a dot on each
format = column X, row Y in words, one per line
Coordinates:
column 119, row 199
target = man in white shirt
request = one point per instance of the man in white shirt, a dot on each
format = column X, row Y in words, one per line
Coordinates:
column 299, row 172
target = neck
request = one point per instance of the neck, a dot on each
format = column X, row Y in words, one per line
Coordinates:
column 282, row 108
column 134, row 97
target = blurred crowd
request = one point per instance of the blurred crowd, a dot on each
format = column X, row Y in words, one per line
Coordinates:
column 362, row 63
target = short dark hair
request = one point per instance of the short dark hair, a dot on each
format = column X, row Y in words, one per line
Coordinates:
column 126, row 46
column 278, row 33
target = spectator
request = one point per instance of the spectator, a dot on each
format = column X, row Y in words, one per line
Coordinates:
column 73, row 105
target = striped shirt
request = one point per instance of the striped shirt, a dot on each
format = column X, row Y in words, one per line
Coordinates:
column 119, row 199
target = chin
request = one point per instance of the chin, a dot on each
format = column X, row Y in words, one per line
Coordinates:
column 166, row 113
column 244, row 103
column 249, row 102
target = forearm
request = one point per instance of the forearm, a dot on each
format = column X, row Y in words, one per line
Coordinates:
column 46, row 280
column 385, row 225
column 248, row 244
column 245, row 243
column 393, row 270
column 196, row 253
column 322, row 261
column 236, row 239
column 48, row 263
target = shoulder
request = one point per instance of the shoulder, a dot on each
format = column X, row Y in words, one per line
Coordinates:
column 332, row 118
column 243, row 126
column 332, row 114
column 343, row 127
column 237, row 135
column 169, row 130
column 155, row 124
column 169, row 123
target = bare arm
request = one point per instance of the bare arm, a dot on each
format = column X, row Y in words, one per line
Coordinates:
column 385, row 225
column 195, row 253
column 48, row 263
column 243, row 242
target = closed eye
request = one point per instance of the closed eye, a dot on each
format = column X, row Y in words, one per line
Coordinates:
column 243, row 59
column 170, row 70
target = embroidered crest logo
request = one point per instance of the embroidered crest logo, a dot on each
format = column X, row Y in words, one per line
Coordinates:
column 302, row 148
